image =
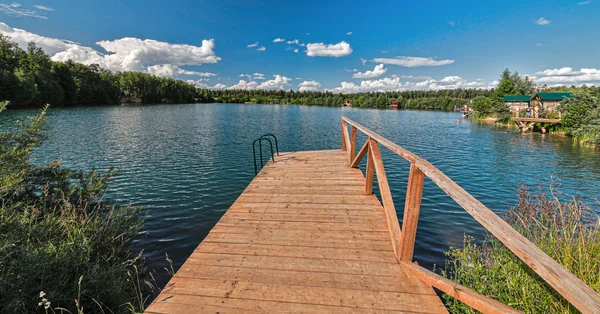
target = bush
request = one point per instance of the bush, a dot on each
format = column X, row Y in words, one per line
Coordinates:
column 567, row 231
column 62, row 244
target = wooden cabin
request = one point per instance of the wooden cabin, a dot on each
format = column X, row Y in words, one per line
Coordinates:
column 521, row 101
column 394, row 105
column 550, row 101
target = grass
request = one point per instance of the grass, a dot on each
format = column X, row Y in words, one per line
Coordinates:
column 64, row 247
column 568, row 231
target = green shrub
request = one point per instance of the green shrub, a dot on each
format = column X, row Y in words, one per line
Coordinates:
column 62, row 244
column 567, row 231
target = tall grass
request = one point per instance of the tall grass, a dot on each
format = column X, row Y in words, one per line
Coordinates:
column 568, row 231
column 64, row 247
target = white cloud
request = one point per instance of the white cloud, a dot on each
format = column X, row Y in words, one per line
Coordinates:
column 292, row 42
column 296, row 50
column 351, row 70
column 254, row 76
column 199, row 84
column 44, row 8
column 16, row 10
column 567, row 75
column 261, row 48
column 125, row 54
column 278, row 82
column 538, row 45
column 363, row 61
column 242, row 84
column 384, row 51
column 302, row 45
column 309, row 86
column 349, row 33
column 542, row 21
column 252, row 45
column 333, row 50
column 278, row 40
column 584, row 2
column 413, row 61
column 451, row 23
column 173, row 70
column 377, row 71
column 394, row 84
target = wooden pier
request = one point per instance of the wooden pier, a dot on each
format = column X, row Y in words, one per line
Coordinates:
column 309, row 235
column 526, row 124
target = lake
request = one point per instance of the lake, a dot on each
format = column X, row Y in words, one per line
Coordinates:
column 186, row 164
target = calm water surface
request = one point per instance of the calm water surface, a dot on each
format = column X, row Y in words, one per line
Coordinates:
column 186, row 164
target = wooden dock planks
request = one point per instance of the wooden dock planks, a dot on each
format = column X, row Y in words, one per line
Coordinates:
column 302, row 237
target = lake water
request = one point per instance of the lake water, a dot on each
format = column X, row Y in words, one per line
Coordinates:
column 186, row 164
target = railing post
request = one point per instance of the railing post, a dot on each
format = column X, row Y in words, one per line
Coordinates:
column 352, row 144
column 414, row 193
column 344, row 130
column 370, row 173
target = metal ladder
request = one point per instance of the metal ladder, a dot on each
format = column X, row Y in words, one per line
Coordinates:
column 265, row 137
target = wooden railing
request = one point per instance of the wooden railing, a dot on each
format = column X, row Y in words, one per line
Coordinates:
column 565, row 283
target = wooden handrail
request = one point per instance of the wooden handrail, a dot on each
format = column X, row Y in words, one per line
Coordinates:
column 565, row 283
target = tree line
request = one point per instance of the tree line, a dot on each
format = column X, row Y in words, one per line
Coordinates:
column 29, row 78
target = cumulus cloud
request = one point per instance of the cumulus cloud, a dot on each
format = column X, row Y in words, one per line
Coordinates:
column 200, row 84
column 15, row 9
column 567, row 75
column 349, row 33
column 252, row 45
column 363, row 61
column 44, row 8
column 542, row 21
column 278, row 40
column 125, row 54
column 395, row 84
column 293, row 42
column 309, row 86
column 296, row 50
column 172, row 70
column 261, row 48
column 377, row 71
column 278, row 82
column 412, row 62
column 333, row 50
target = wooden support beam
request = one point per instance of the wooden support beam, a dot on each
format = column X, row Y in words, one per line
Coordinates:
column 461, row 293
column 369, row 175
column 352, row 144
column 386, row 198
column 344, row 134
column 361, row 154
column 414, row 193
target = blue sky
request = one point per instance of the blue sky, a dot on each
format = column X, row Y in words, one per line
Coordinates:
column 344, row 46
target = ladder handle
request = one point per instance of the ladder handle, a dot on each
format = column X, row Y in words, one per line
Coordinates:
column 260, row 152
column 275, row 138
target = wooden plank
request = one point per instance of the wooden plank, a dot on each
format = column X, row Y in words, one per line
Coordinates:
column 311, row 225
column 306, row 211
column 386, row 198
column 352, row 144
column 305, row 234
column 298, row 251
column 311, row 295
column 344, row 135
column 461, row 293
column 182, row 303
column 361, row 154
column 414, row 192
column 293, row 263
column 313, row 242
column 370, row 171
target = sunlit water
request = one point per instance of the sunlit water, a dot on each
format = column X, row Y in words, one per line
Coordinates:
column 186, row 164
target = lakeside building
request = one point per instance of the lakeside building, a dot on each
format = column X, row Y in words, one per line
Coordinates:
column 548, row 101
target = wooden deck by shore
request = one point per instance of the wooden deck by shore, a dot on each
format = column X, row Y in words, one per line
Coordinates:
column 309, row 235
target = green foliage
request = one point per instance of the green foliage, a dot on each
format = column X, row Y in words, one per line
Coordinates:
column 59, row 235
column 567, row 231
column 581, row 116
